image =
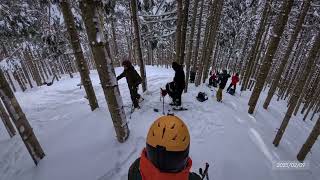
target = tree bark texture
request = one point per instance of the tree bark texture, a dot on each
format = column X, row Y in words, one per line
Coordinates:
column 20, row 121
column 272, row 48
column 81, row 63
column 92, row 15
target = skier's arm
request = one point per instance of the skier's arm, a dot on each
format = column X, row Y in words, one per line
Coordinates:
column 120, row 76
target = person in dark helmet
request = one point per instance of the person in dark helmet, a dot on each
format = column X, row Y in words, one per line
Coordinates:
column 133, row 80
column 222, row 81
column 176, row 87
column 234, row 81
column 166, row 155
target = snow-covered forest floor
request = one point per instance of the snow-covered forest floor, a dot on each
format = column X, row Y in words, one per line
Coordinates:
column 81, row 145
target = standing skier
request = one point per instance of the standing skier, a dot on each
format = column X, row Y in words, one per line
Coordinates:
column 166, row 155
column 133, row 80
column 222, row 80
column 213, row 79
column 234, row 81
column 176, row 87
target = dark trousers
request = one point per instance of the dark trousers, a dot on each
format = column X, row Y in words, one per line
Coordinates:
column 134, row 96
column 234, row 87
column 175, row 93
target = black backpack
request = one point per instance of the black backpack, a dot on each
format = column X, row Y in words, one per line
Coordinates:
column 202, row 97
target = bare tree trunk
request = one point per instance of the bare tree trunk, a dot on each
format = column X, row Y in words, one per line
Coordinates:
column 138, row 44
column 285, row 58
column 92, row 15
column 189, row 51
column 20, row 121
column 305, row 149
column 298, row 89
column 272, row 48
column 6, row 121
column 81, row 63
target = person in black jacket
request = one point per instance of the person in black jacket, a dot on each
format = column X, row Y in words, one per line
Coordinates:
column 176, row 87
column 222, row 80
column 133, row 80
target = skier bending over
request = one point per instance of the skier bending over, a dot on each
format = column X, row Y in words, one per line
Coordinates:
column 234, row 81
column 176, row 87
column 166, row 155
column 133, row 80
column 222, row 80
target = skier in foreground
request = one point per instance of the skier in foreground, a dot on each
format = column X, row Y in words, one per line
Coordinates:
column 176, row 87
column 166, row 156
column 222, row 80
column 133, row 80
column 234, row 81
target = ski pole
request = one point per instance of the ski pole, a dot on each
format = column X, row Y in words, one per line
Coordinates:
column 205, row 172
column 163, row 106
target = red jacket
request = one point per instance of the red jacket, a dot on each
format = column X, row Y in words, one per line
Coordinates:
column 150, row 172
column 234, row 80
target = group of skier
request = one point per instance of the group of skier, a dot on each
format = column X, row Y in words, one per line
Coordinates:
column 166, row 155
column 175, row 88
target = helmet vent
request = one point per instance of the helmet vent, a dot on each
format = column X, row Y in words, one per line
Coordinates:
column 173, row 126
column 163, row 131
column 175, row 137
column 184, row 138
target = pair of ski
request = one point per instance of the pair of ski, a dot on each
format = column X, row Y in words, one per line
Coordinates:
column 204, row 173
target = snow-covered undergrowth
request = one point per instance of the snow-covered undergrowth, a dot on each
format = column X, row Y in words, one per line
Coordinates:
column 81, row 145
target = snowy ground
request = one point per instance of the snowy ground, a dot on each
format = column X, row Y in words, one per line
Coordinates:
column 81, row 145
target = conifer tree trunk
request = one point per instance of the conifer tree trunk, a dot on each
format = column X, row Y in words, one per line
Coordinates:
column 285, row 58
column 315, row 98
column 184, row 31
column 190, row 47
column 20, row 121
column 81, row 63
column 114, row 35
column 6, row 121
column 17, row 78
column 33, row 68
column 10, row 81
column 298, row 89
column 196, row 51
column 24, row 68
column 207, row 49
column 305, row 149
column 92, row 14
column 272, row 48
column 137, row 42
column 178, row 30
column 254, row 48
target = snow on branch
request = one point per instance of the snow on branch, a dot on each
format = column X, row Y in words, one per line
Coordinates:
column 315, row 5
column 160, row 20
column 159, row 15
column 273, row 8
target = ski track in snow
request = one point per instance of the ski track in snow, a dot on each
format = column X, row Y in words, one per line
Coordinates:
column 81, row 145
